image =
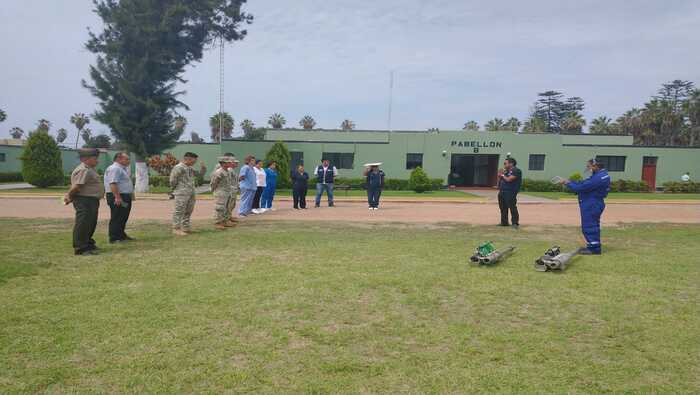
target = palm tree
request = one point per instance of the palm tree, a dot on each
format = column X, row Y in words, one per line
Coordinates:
column 535, row 125
column 692, row 109
column 471, row 126
column 573, row 123
column 16, row 132
column 61, row 135
column 79, row 120
column 433, row 130
column 512, row 124
column 276, row 121
column 347, row 125
column 307, row 122
column 247, row 125
column 180, row 123
column 601, row 125
column 86, row 134
column 222, row 121
column 43, row 125
column 194, row 138
column 3, row 115
column 494, row 125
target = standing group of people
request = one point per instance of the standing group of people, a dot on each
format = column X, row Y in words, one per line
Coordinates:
column 257, row 187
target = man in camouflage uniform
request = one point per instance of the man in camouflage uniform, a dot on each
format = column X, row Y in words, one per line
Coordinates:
column 182, row 182
column 234, row 188
column 220, row 182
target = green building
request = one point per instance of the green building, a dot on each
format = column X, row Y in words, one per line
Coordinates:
column 464, row 158
column 460, row 158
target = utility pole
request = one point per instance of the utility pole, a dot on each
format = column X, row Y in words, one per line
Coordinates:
column 221, row 89
column 391, row 96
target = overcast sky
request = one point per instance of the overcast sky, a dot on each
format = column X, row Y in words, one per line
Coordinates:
column 454, row 60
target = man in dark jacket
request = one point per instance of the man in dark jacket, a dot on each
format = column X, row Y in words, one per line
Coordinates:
column 375, row 183
column 509, row 181
column 300, row 185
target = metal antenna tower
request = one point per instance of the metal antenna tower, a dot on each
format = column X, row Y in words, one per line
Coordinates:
column 391, row 97
column 221, row 89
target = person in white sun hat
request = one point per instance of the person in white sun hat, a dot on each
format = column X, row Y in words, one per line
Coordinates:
column 375, row 184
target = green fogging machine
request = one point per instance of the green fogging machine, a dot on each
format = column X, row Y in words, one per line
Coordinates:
column 486, row 254
column 554, row 259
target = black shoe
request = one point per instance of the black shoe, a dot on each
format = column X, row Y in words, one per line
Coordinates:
column 331, row 205
column 128, row 238
column 317, row 206
column 87, row 252
column 586, row 251
column 117, row 241
column 296, row 208
column 92, row 247
column 502, row 225
column 516, row 226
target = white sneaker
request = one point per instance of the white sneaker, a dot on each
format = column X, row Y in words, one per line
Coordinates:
column 262, row 210
column 376, row 208
column 371, row 208
column 255, row 211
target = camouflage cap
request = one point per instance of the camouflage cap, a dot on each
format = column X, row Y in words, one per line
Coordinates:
column 233, row 158
column 226, row 159
column 88, row 152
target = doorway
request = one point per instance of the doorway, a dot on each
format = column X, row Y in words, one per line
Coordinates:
column 649, row 171
column 473, row 170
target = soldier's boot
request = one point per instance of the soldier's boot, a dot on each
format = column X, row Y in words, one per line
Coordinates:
column 230, row 224
column 179, row 232
column 220, row 225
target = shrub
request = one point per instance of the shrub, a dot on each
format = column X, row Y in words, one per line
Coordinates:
column 159, row 181
column 280, row 154
column 390, row 184
column 529, row 185
column 11, row 177
column 681, row 187
column 629, row 186
column 162, row 165
column 41, row 161
column 419, row 181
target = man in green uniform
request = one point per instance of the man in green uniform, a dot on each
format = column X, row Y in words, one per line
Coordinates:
column 182, row 179
column 220, row 182
column 85, row 193
column 234, row 188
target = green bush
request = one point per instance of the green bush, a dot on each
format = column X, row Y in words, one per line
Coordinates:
column 576, row 176
column 11, row 177
column 41, row 161
column 159, row 181
column 390, row 184
column 280, row 154
column 629, row 186
column 419, row 181
column 529, row 185
column 681, row 187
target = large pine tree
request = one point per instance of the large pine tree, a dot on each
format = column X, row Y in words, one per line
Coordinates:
column 141, row 56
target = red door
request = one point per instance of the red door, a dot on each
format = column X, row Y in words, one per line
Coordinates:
column 649, row 171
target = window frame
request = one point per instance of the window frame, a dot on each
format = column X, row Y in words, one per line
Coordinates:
column 606, row 160
column 536, row 157
column 410, row 163
column 340, row 159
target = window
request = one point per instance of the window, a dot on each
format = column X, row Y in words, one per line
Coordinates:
column 413, row 161
column 340, row 160
column 612, row 163
column 536, row 162
column 2, row 156
column 297, row 159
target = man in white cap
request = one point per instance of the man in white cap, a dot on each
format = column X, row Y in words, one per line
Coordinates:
column 375, row 183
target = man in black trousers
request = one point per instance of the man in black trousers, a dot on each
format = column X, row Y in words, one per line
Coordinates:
column 120, row 195
column 85, row 193
column 509, row 181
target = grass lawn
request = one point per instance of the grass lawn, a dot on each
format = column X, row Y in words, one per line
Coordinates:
column 347, row 308
column 622, row 195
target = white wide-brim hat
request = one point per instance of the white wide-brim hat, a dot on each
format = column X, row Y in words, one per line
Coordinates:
column 373, row 164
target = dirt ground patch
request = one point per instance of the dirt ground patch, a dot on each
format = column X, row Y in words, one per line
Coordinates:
column 564, row 213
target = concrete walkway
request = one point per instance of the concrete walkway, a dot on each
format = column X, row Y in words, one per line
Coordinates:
column 492, row 195
column 22, row 185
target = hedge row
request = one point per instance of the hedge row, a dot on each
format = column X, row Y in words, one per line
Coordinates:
column 615, row 186
column 681, row 187
column 390, row 184
column 11, row 177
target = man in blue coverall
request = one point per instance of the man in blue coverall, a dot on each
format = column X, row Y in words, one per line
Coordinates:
column 591, row 193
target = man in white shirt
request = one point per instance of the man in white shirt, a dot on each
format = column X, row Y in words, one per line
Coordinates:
column 325, row 176
column 120, row 195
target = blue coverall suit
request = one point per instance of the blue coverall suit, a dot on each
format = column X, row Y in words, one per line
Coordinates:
column 591, row 193
column 270, row 188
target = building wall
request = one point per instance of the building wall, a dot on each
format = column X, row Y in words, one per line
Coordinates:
column 69, row 156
